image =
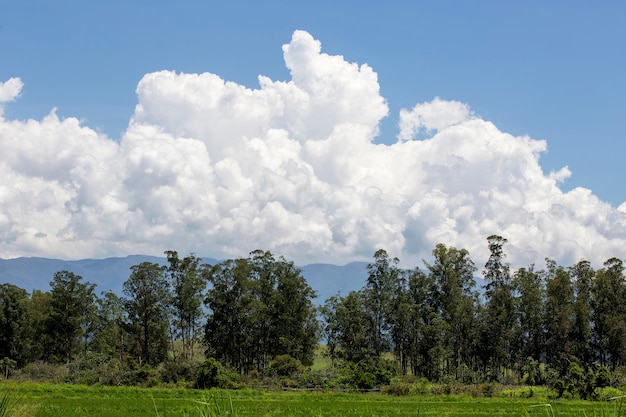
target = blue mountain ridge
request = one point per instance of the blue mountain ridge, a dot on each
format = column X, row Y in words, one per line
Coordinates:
column 109, row 274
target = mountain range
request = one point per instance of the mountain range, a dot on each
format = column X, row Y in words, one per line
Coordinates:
column 109, row 274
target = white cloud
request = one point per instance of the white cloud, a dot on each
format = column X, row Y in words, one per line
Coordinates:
column 432, row 116
column 10, row 89
column 219, row 169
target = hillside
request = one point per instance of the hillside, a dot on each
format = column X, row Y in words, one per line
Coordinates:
column 109, row 274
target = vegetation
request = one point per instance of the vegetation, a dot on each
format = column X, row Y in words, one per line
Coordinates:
column 49, row 400
column 252, row 322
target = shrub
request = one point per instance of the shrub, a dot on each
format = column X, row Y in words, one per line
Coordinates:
column 286, row 366
column 45, row 372
column 422, row 387
column 618, row 379
column 608, row 393
column 176, row 372
column 603, row 377
column 323, row 378
column 365, row 380
column 398, row 388
column 489, row 389
column 211, row 374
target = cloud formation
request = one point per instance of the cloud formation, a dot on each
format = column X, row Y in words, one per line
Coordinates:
column 215, row 168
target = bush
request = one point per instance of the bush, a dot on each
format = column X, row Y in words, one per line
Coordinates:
column 176, row 372
column 365, row 380
column 211, row 374
column 323, row 378
column 603, row 377
column 398, row 388
column 607, row 393
column 286, row 366
column 489, row 389
column 45, row 372
column 422, row 387
column 618, row 379
column 368, row 373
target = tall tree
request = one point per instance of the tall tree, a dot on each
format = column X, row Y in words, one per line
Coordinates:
column 263, row 282
column 499, row 313
column 582, row 273
column 110, row 336
column 423, row 341
column 346, row 325
column 559, row 317
column 609, row 313
column 13, row 322
column 147, row 302
column 187, row 285
column 530, row 289
column 401, row 322
column 71, row 302
column 382, row 280
column 296, row 330
column 455, row 301
column 230, row 322
column 39, row 313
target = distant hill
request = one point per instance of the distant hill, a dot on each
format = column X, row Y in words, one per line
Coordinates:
column 109, row 274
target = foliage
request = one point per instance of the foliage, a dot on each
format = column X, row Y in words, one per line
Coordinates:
column 211, row 374
column 146, row 305
column 187, row 284
column 286, row 365
column 72, row 306
column 564, row 327
column 259, row 308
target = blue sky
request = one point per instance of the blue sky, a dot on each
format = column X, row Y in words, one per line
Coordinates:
column 554, row 71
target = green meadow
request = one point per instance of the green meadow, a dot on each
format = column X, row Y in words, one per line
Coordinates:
column 49, row 400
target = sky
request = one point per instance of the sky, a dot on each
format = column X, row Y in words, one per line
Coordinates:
column 321, row 131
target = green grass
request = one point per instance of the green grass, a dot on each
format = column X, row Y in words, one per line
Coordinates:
column 99, row 401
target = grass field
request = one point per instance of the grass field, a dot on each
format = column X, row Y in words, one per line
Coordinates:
column 57, row 400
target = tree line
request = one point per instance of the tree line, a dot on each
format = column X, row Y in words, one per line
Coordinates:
column 524, row 326
column 254, row 314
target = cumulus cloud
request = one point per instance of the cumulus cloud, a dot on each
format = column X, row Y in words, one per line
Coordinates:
column 432, row 116
column 216, row 168
column 9, row 91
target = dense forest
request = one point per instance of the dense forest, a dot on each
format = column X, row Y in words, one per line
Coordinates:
column 252, row 320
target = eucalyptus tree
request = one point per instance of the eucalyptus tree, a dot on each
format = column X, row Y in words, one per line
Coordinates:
column 259, row 308
column 382, row 280
column 71, row 309
column 582, row 273
column 609, row 313
column 424, row 340
column 499, row 312
column 110, row 337
column 346, row 323
column 231, row 314
column 455, row 303
column 295, row 327
column 39, row 313
column 401, row 321
column 146, row 303
column 187, row 284
column 263, row 283
column 14, row 338
column 559, row 317
column 530, row 289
